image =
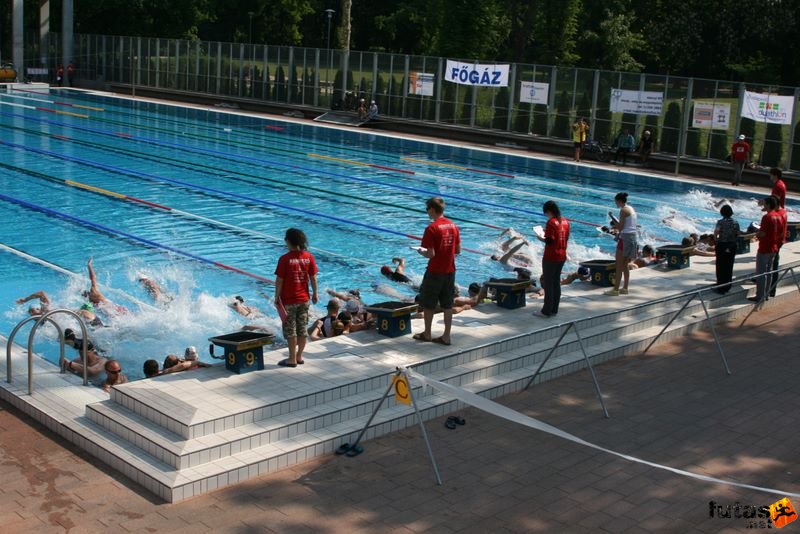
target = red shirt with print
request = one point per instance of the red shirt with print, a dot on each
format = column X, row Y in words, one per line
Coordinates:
column 556, row 235
column 779, row 192
column 295, row 268
column 740, row 150
column 442, row 236
column 784, row 228
column 771, row 226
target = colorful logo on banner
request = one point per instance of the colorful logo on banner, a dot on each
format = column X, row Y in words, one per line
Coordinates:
column 710, row 115
column 420, row 83
column 773, row 109
column 534, row 93
column 402, row 392
column 476, row 74
column 638, row 102
column 782, row 513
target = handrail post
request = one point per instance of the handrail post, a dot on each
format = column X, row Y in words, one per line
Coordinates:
column 685, row 304
column 714, row 332
column 41, row 320
column 552, row 350
column 591, row 370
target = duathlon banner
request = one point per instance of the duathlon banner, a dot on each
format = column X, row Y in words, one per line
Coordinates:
column 534, row 93
column 638, row 102
column 420, row 83
column 710, row 115
column 773, row 109
column 476, row 74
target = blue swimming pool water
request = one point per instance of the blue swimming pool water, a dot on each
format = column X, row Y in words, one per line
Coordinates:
column 345, row 189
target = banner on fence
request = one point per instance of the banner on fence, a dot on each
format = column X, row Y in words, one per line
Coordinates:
column 710, row 115
column 476, row 74
column 420, row 83
column 768, row 108
column 639, row 102
column 534, row 93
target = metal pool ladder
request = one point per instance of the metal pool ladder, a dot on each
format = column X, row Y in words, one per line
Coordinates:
column 40, row 320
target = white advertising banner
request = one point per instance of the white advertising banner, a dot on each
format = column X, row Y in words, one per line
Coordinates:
column 710, row 115
column 534, row 93
column 768, row 108
column 476, row 74
column 639, row 102
column 420, row 83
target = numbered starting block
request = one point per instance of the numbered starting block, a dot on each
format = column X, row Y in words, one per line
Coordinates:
column 394, row 318
column 793, row 230
column 243, row 351
column 603, row 272
column 510, row 292
column 743, row 243
column 677, row 255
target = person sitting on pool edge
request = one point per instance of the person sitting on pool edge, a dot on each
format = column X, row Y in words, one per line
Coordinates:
column 645, row 259
column 323, row 327
column 114, row 375
column 477, row 294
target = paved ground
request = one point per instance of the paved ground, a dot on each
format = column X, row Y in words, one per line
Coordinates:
column 674, row 406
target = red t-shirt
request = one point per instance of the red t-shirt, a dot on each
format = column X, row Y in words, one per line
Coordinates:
column 556, row 235
column 771, row 226
column 740, row 150
column 295, row 268
column 442, row 236
column 779, row 191
column 784, row 229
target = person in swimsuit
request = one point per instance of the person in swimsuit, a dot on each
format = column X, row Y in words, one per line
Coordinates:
column 398, row 274
column 44, row 303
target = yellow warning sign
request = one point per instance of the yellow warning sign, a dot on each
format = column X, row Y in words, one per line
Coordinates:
column 402, row 392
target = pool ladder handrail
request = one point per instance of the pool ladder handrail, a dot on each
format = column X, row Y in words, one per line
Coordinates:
column 41, row 319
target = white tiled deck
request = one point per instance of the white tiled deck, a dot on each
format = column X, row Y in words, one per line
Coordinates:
column 186, row 434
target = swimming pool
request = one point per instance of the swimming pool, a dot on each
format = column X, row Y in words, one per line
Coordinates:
column 178, row 194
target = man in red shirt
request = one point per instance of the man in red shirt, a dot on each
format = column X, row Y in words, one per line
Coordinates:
column 440, row 244
column 778, row 186
column 782, row 231
column 556, row 235
column 769, row 238
column 740, row 153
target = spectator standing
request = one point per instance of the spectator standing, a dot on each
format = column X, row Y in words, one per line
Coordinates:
column 768, row 239
column 778, row 186
column 295, row 271
column 776, row 261
column 556, row 236
column 579, row 128
column 740, row 154
column 725, row 232
column 441, row 242
column 627, row 245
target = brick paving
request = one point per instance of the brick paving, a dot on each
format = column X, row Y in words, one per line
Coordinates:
column 674, row 406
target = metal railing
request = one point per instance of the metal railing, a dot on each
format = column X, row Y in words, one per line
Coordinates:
column 40, row 320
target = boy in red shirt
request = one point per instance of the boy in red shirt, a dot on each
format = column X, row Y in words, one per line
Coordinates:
column 769, row 238
column 556, row 235
column 740, row 153
column 295, row 270
column 782, row 231
column 440, row 244
column 778, row 186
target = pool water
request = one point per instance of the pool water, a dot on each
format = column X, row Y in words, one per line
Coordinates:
column 183, row 190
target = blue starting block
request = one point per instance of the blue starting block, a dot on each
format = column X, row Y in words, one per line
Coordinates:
column 243, row 351
column 743, row 243
column 394, row 318
column 677, row 256
column 603, row 272
column 793, row 231
column 510, row 292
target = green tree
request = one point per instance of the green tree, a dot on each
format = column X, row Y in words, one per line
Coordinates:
column 562, row 125
column 501, row 109
column 693, row 138
column 555, row 31
column 720, row 145
column 672, row 124
column 279, row 89
column 795, row 163
column 773, row 146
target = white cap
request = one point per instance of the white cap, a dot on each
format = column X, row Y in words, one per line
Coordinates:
column 352, row 306
column 190, row 353
column 741, row 137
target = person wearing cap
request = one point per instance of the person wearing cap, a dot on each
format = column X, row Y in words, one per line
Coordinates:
column 398, row 274
column 44, row 303
column 373, row 110
column 740, row 154
column 362, row 109
column 154, row 289
column 323, row 327
column 238, row 305
column 477, row 294
column 581, row 274
column 645, row 147
column 360, row 319
column 95, row 363
column 190, row 355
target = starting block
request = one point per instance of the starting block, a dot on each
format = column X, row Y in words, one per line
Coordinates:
column 743, row 243
column 603, row 272
column 793, row 231
column 510, row 292
column 677, row 256
column 243, row 351
column 394, row 318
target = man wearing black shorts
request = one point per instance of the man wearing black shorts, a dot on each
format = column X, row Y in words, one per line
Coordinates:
column 440, row 244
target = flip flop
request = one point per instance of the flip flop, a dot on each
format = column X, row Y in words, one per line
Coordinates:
column 440, row 341
column 354, row 451
column 459, row 420
column 301, row 362
column 343, row 448
column 421, row 337
column 286, row 363
column 450, row 423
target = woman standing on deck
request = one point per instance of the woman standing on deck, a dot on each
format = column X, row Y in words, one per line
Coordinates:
column 627, row 245
column 295, row 270
column 556, row 235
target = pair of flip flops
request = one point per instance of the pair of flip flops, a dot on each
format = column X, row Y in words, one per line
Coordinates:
column 421, row 337
column 349, row 450
column 454, row 421
column 287, row 363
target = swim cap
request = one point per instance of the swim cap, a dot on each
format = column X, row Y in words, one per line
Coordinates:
column 88, row 306
column 583, row 271
column 475, row 287
column 386, row 270
column 351, row 306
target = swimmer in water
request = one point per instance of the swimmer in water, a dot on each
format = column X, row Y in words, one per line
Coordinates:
column 97, row 298
column 398, row 274
column 44, row 303
column 513, row 254
column 238, row 305
column 154, row 289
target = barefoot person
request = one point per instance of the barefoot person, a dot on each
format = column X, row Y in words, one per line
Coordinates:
column 44, row 303
column 440, row 244
column 627, row 245
column 296, row 269
column 556, row 235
